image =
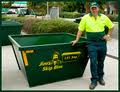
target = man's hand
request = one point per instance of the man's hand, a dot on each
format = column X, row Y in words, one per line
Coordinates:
column 79, row 33
column 74, row 42
column 107, row 37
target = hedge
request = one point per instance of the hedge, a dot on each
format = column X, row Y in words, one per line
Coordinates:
column 52, row 26
column 69, row 14
column 35, row 25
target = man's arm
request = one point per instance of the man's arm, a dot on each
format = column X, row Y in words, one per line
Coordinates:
column 109, row 34
column 81, row 29
column 79, row 33
column 110, row 31
column 110, row 25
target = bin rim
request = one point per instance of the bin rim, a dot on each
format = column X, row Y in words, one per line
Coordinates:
column 12, row 40
column 16, row 23
column 36, row 46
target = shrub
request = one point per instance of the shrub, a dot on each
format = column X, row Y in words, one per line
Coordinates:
column 69, row 14
column 28, row 23
column 52, row 26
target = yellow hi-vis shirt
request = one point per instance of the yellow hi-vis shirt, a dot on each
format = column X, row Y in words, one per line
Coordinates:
column 89, row 24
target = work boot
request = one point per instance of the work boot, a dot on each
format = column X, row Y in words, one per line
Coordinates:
column 92, row 85
column 101, row 82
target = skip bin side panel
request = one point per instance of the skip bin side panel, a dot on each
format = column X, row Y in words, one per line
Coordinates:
column 54, row 63
column 20, row 59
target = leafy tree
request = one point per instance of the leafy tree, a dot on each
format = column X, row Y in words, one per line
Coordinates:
column 69, row 6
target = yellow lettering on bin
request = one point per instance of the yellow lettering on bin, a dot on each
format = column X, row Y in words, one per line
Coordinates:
column 25, row 58
column 71, row 53
column 58, row 67
column 47, row 68
column 29, row 51
column 45, row 63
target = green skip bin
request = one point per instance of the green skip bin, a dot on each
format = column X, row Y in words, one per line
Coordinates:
column 49, row 57
column 9, row 28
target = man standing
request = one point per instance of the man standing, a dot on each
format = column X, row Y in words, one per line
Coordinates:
column 94, row 24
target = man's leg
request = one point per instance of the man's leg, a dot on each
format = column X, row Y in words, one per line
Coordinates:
column 102, row 49
column 92, row 52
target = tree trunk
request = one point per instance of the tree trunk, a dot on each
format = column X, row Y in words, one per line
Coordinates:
column 87, row 10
